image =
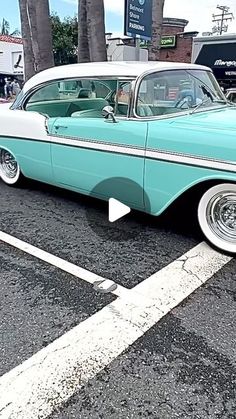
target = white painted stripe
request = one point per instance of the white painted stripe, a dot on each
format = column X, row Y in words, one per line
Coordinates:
column 197, row 161
column 176, row 281
column 50, row 377
column 62, row 264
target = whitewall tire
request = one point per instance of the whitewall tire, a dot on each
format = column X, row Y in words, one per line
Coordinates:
column 9, row 168
column 217, row 216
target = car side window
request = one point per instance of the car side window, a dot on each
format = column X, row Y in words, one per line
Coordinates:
column 73, row 98
column 232, row 97
column 122, row 98
column 80, row 98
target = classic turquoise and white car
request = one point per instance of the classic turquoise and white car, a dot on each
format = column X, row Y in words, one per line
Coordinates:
column 166, row 127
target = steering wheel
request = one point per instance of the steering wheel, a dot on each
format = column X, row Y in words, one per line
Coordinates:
column 186, row 100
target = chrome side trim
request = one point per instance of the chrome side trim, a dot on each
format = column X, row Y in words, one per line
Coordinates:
column 195, row 161
column 135, row 151
column 96, row 145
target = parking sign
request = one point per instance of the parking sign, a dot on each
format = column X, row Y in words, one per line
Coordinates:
column 138, row 19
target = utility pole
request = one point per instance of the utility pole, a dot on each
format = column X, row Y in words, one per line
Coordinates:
column 219, row 19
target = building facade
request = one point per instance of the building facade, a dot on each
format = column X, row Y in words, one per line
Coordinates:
column 11, row 57
column 176, row 44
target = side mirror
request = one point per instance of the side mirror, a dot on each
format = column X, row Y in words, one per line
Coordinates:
column 108, row 112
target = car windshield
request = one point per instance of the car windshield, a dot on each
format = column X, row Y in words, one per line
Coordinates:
column 172, row 91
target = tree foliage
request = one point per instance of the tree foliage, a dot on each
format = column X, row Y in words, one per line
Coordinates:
column 64, row 39
column 5, row 29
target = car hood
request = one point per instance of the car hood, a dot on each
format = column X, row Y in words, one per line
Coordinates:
column 218, row 119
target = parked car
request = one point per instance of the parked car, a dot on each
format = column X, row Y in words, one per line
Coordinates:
column 166, row 127
column 231, row 95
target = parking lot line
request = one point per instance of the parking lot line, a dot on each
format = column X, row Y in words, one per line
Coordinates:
column 51, row 376
column 62, row 264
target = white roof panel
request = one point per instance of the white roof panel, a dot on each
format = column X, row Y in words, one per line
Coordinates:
column 106, row 69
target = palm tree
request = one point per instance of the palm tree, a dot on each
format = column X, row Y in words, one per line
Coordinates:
column 96, row 30
column 5, row 29
column 157, row 20
column 44, row 34
column 37, row 36
column 83, row 45
column 29, row 59
column 92, row 40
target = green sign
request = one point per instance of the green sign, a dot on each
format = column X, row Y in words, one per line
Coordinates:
column 168, row 41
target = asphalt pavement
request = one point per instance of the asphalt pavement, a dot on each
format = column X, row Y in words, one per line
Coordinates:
column 182, row 367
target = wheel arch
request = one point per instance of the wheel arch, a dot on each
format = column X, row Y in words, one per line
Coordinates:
column 194, row 191
column 14, row 154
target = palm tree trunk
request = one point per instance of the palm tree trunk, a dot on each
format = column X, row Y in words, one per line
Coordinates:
column 157, row 20
column 83, row 45
column 44, row 34
column 96, row 30
column 29, row 64
column 37, row 36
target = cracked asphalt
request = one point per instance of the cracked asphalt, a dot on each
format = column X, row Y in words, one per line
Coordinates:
column 184, row 367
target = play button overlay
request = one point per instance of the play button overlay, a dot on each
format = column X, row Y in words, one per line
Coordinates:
column 117, row 210
column 113, row 210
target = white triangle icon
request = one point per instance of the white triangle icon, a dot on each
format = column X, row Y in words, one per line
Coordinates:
column 117, row 210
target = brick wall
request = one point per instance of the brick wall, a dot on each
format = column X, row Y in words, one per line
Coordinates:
column 183, row 50
column 181, row 53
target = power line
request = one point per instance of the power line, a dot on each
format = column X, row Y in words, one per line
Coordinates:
column 221, row 18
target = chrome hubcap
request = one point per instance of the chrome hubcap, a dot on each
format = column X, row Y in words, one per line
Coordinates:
column 9, row 165
column 221, row 215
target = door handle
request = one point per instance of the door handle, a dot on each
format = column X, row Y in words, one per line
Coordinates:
column 60, row 126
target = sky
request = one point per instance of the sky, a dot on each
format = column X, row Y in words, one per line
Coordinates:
column 197, row 12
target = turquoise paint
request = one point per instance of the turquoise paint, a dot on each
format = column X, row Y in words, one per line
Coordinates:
column 84, row 169
column 211, row 134
column 164, row 182
column 201, row 134
column 34, row 157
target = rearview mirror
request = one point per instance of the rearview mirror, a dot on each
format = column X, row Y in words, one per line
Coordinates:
column 108, row 112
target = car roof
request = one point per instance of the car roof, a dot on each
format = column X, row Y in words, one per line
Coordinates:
column 105, row 69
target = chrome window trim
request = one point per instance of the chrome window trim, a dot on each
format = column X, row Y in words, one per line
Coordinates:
column 157, row 117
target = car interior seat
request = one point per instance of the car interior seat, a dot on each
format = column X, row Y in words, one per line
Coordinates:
column 84, row 93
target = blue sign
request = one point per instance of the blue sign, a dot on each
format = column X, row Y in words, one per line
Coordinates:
column 138, row 19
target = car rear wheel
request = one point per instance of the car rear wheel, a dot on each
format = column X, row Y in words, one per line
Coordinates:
column 217, row 216
column 9, row 168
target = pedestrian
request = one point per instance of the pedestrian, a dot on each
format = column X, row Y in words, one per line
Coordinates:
column 2, row 88
column 15, row 87
column 8, row 89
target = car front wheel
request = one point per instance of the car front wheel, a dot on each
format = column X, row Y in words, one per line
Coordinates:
column 9, row 168
column 217, row 216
